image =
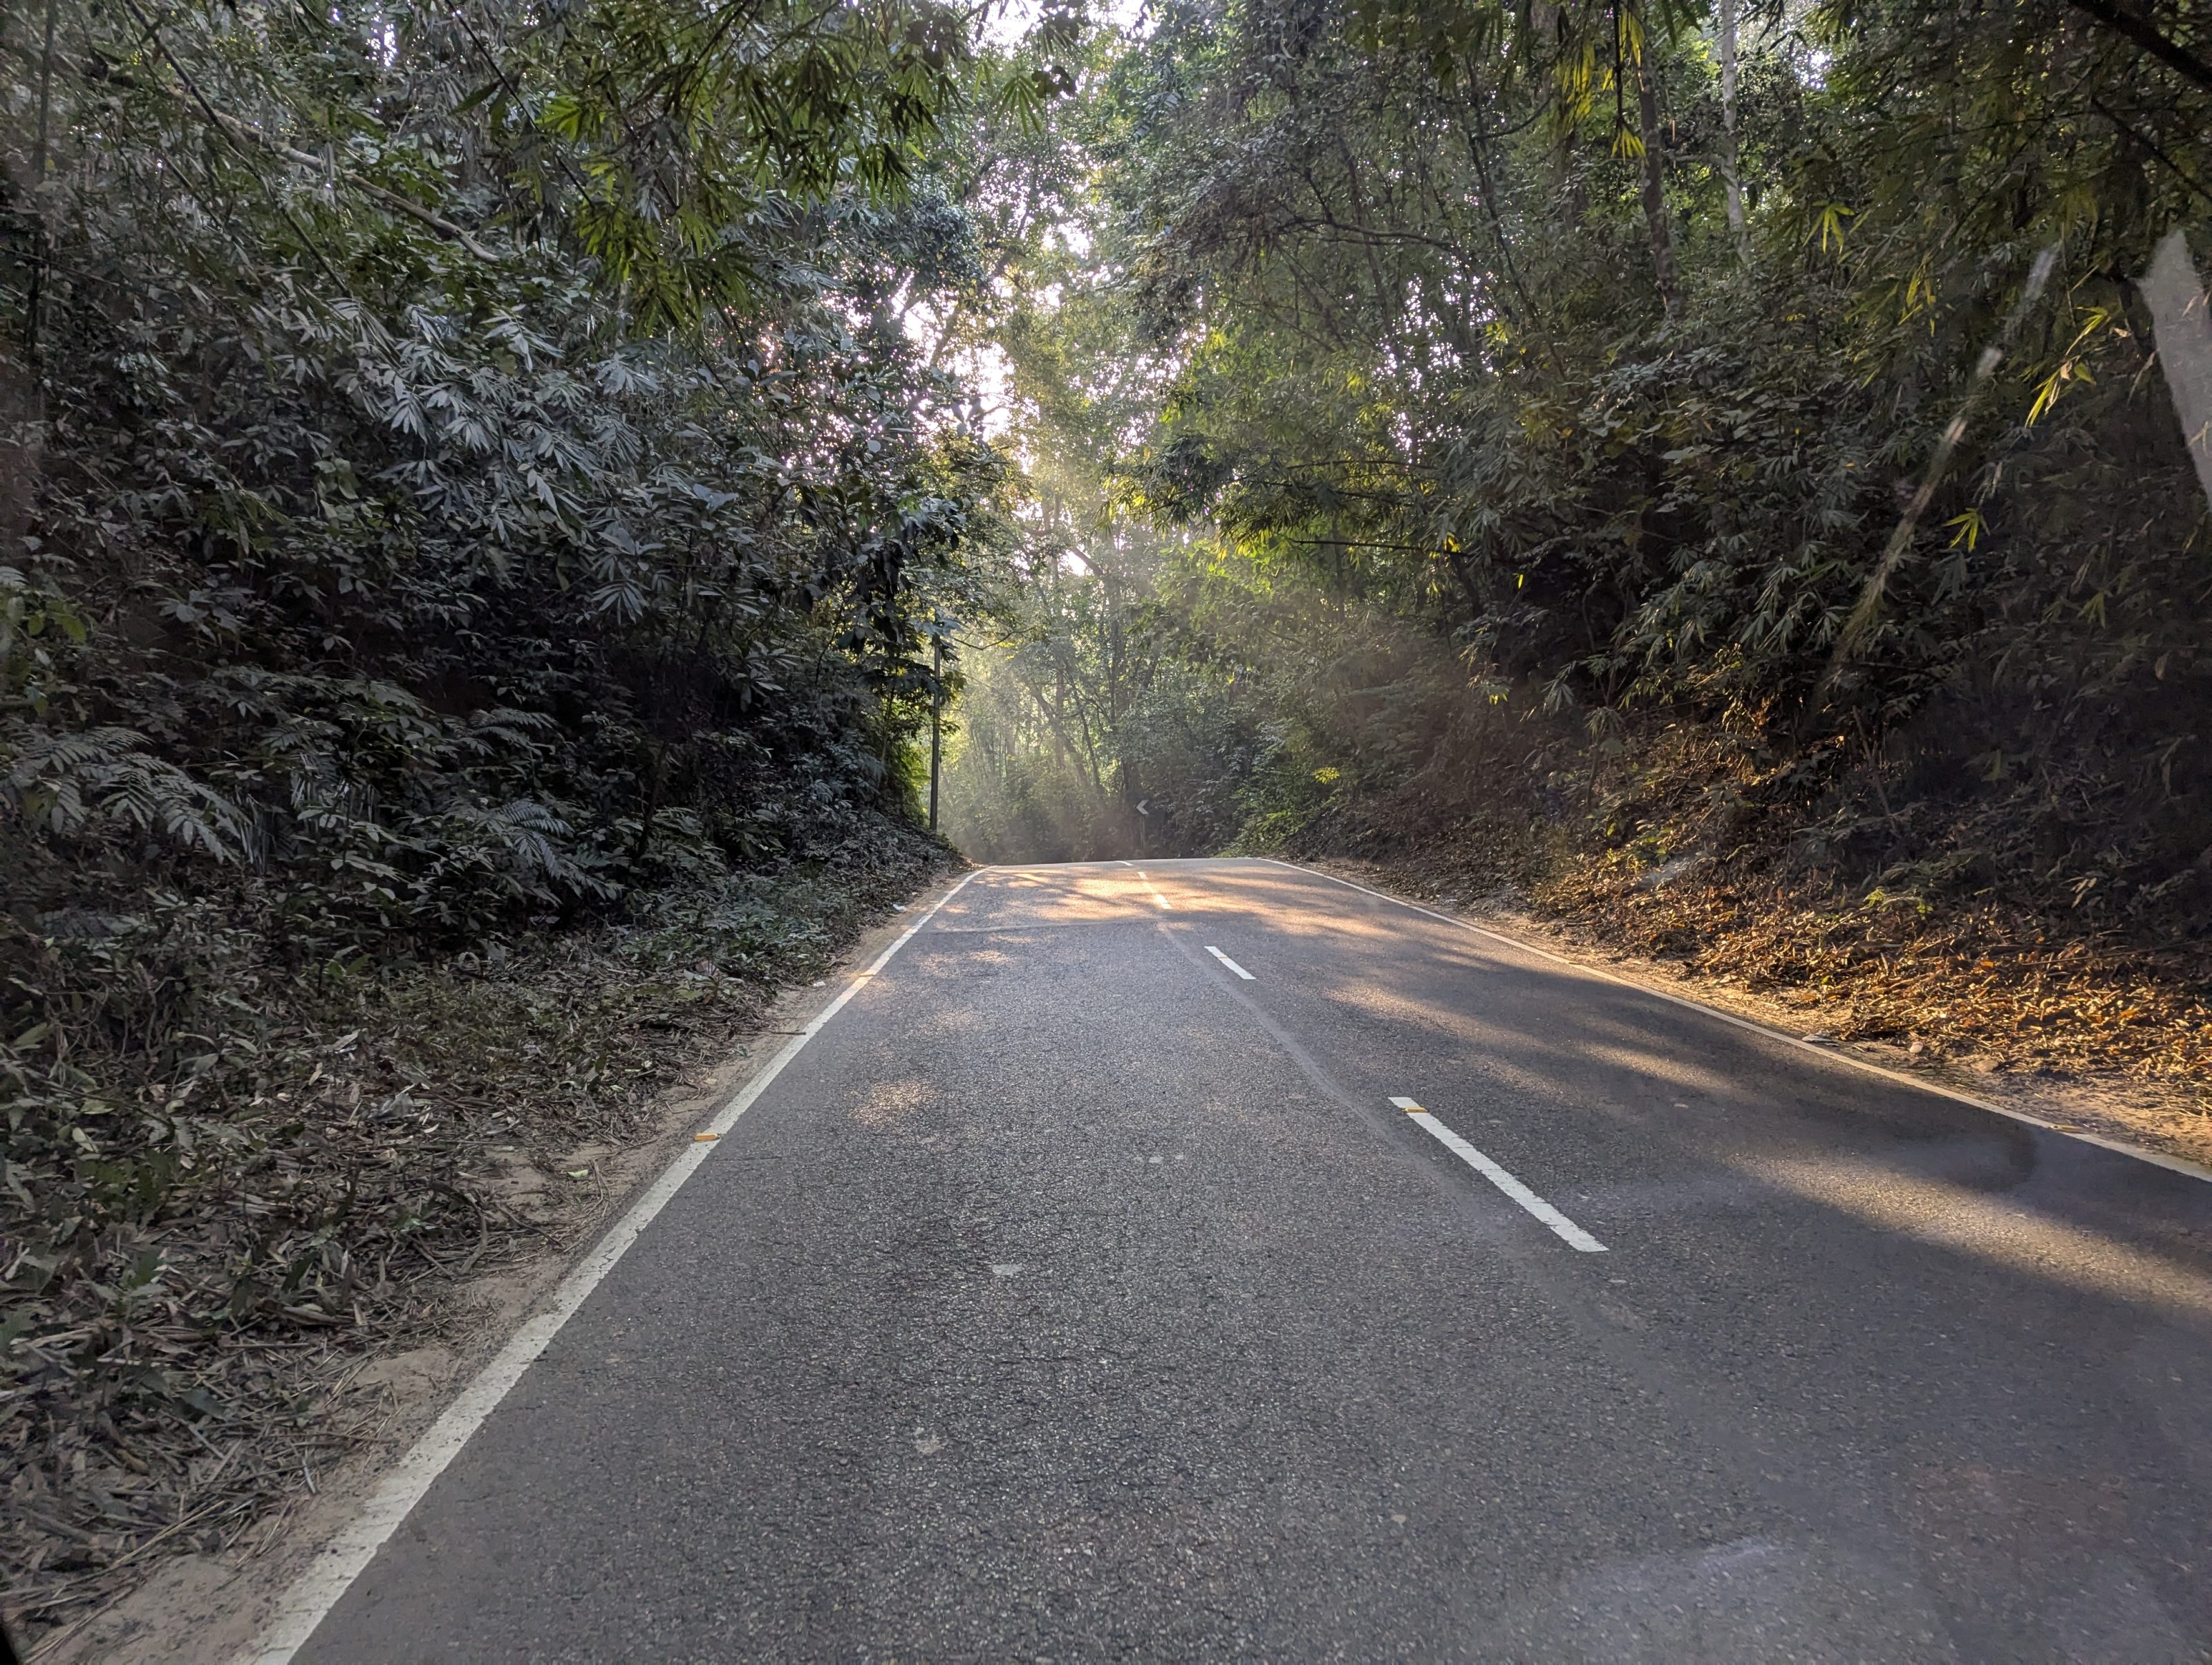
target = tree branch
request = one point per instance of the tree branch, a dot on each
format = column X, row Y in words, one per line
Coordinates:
column 390, row 199
column 2139, row 28
column 237, row 128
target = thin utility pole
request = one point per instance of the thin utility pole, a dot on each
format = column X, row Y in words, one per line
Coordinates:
column 936, row 729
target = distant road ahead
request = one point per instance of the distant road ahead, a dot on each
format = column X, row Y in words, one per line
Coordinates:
column 1199, row 1260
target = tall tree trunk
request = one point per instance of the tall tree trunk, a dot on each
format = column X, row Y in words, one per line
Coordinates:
column 1730, row 174
column 1655, row 172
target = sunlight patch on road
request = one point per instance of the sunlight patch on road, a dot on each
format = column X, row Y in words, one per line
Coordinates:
column 1996, row 1230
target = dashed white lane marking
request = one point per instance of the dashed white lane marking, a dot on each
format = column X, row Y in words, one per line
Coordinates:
column 341, row 1561
column 1567, row 1231
column 1155, row 889
column 1230, row 963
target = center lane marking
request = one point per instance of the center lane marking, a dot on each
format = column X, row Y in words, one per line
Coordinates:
column 1567, row 1231
column 1230, row 963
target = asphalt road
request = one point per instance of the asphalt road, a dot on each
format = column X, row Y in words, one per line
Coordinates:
column 1073, row 1295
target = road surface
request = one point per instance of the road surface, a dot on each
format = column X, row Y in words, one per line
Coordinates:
column 1199, row 1260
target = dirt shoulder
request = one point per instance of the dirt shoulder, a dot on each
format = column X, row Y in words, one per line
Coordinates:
column 2021, row 1032
column 562, row 1132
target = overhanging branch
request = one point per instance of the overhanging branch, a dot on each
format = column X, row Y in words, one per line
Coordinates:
column 2138, row 26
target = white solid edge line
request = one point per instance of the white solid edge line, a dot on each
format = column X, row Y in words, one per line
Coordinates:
column 1565, row 1228
column 1230, row 963
column 317, row 1590
column 2157, row 1159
